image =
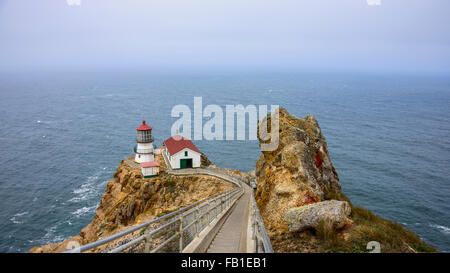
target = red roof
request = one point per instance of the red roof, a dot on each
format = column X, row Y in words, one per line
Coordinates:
column 149, row 164
column 177, row 143
column 143, row 127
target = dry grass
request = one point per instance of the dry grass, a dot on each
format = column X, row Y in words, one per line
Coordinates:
column 326, row 234
column 393, row 237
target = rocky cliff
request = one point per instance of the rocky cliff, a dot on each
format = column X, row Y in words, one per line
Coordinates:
column 296, row 182
column 129, row 199
column 297, row 173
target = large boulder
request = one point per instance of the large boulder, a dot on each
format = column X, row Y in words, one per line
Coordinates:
column 334, row 213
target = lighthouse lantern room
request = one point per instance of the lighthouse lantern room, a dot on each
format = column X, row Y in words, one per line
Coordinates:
column 144, row 146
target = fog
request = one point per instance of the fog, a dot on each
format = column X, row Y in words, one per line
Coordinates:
column 329, row 35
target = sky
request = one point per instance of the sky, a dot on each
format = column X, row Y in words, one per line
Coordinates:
column 329, row 35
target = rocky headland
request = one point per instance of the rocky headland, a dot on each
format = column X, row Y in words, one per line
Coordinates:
column 298, row 194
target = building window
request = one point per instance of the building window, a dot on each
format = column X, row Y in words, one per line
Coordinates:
column 185, row 153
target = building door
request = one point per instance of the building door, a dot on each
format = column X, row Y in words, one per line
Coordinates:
column 189, row 163
column 182, row 163
column 185, row 163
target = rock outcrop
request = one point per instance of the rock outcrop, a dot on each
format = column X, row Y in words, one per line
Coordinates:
column 299, row 172
column 332, row 213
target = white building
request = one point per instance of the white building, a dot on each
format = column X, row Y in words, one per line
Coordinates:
column 150, row 169
column 144, row 146
column 181, row 153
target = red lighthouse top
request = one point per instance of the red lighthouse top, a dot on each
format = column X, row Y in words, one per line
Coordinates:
column 143, row 127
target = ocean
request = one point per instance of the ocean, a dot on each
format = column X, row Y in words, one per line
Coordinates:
column 62, row 135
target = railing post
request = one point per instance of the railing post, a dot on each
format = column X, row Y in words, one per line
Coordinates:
column 196, row 221
column 147, row 243
column 260, row 245
column 181, row 232
column 255, row 223
column 213, row 213
column 209, row 213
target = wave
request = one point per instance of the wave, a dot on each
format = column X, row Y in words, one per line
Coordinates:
column 50, row 237
column 84, row 210
column 443, row 229
column 91, row 189
column 14, row 218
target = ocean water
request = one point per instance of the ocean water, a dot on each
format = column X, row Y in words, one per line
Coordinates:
column 63, row 135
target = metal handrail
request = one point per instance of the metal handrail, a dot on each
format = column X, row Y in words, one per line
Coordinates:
column 262, row 240
column 190, row 220
column 211, row 172
column 211, row 202
column 207, row 213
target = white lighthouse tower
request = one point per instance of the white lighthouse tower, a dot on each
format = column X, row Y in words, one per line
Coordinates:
column 144, row 147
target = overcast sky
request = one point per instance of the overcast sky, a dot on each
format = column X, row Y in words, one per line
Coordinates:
column 398, row 35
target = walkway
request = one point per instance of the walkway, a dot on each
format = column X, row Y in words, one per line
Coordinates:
column 232, row 237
